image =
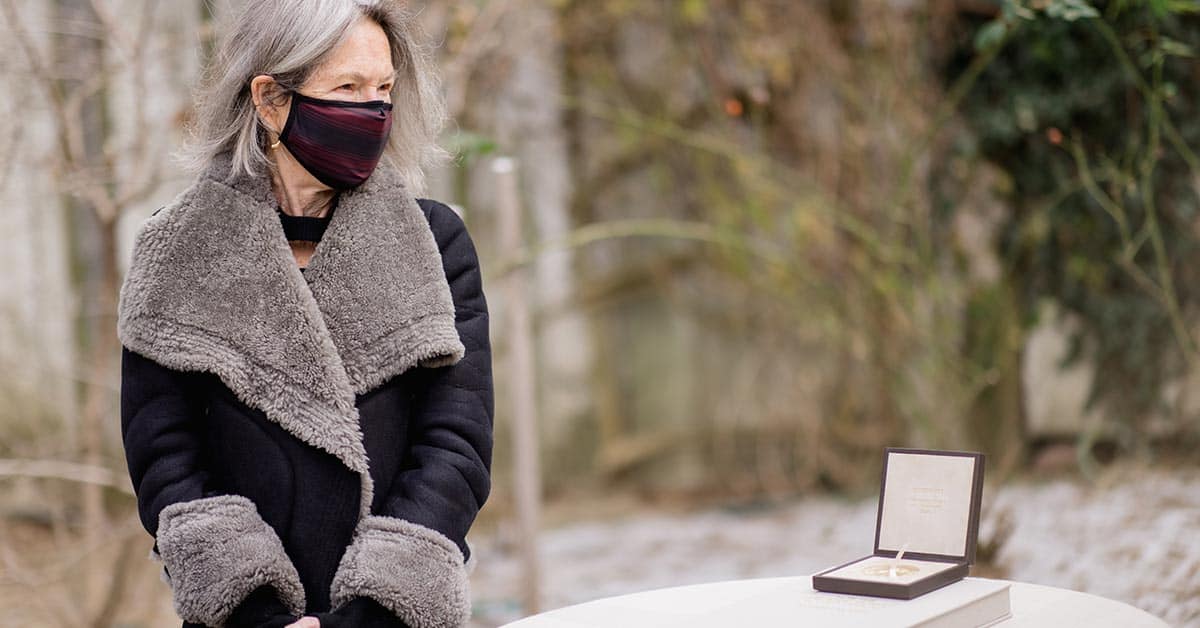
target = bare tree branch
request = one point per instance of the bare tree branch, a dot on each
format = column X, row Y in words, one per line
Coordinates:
column 146, row 173
column 69, row 471
column 116, row 36
column 483, row 37
column 37, row 64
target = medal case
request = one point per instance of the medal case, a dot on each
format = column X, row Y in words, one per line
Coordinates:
column 926, row 528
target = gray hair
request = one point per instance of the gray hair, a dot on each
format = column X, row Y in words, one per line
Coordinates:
column 288, row 39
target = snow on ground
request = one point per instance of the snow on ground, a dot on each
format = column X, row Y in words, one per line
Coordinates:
column 1137, row 541
column 1133, row 539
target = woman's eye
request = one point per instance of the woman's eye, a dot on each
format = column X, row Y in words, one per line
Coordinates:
column 347, row 86
column 386, row 87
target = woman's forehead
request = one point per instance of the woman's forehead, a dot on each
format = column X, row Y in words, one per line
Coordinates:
column 364, row 54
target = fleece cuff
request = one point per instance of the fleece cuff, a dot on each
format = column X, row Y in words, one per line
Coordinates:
column 216, row 551
column 413, row 571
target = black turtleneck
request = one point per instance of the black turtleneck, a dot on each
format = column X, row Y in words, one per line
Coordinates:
column 306, row 228
column 303, row 228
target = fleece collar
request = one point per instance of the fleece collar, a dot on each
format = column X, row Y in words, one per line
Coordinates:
column 213, row 287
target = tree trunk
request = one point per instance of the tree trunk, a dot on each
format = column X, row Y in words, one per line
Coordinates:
column 93, row 252
column 529, row 124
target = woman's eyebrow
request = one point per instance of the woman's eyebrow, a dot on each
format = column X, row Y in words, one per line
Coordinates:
column 358, row 77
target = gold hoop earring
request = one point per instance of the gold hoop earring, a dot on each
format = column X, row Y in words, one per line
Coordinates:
column 276, row 144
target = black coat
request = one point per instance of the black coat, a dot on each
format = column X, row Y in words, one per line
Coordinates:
column 213, row 457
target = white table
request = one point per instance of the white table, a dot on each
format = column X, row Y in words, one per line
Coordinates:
column 771, row 602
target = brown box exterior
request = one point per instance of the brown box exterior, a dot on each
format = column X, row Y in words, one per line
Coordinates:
column 821, row 582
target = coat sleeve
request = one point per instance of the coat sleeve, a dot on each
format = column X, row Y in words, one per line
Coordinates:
column 216, row 549
column 411, row 556
column 446, row 478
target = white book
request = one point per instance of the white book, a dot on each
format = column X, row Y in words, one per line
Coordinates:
column 967, row 603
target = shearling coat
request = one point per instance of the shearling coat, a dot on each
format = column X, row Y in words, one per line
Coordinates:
column 322, row 435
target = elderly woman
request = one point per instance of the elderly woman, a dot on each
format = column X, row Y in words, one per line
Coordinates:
column 306, row 397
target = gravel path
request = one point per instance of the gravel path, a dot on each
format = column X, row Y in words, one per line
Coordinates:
column 1132, row 537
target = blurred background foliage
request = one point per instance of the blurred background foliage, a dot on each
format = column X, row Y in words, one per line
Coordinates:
column 1090, row 112
column 913, row 196
column 912, row 193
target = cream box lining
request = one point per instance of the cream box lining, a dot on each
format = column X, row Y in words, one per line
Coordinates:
column 926, row 504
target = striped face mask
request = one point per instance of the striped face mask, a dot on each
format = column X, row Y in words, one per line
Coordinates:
column 338, row 142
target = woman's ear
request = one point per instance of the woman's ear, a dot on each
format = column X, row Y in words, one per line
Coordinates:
column 270, row 102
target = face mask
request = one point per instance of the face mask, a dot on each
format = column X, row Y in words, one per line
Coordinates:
column 338, row 142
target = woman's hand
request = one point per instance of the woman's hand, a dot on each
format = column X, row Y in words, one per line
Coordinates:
column 306, row 622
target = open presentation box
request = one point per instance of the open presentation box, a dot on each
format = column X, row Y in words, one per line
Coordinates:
column 926, row 529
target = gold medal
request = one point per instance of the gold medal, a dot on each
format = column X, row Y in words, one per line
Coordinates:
column 890, row 570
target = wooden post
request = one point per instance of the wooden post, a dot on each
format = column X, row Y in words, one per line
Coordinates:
column 519, row 365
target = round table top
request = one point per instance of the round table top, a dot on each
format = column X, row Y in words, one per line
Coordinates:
column 793, row 602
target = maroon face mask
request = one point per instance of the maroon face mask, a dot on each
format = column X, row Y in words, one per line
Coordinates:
column 338, row 142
